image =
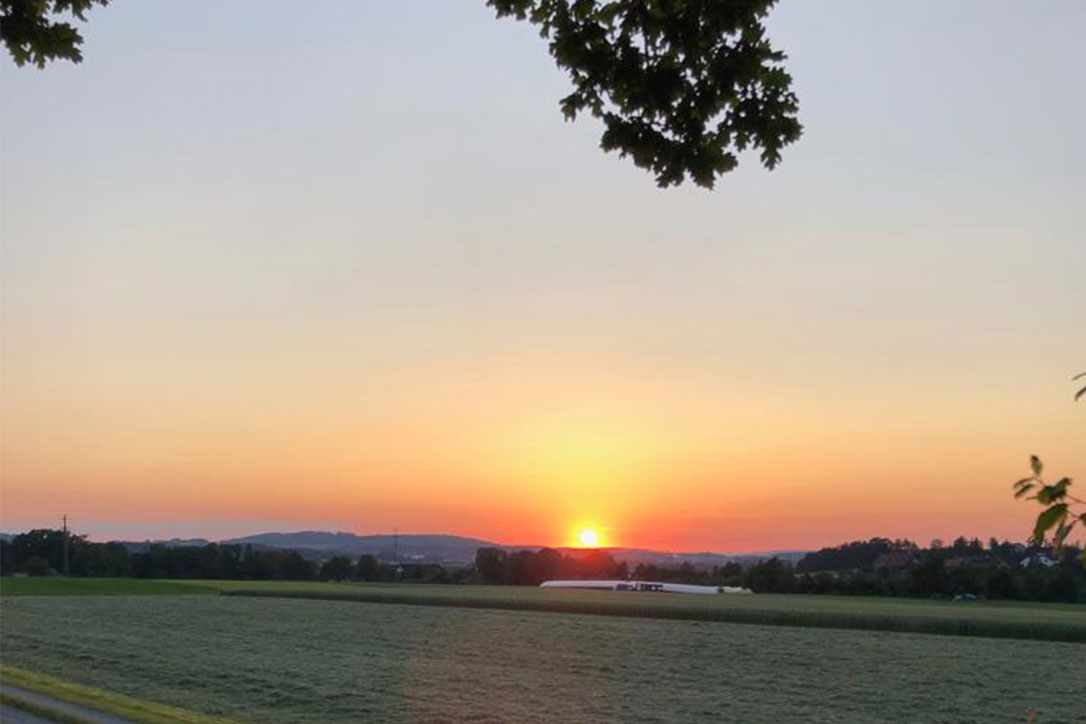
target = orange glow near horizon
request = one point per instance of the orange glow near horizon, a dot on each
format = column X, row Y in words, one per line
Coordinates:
column 526, row 453
column 524, row 458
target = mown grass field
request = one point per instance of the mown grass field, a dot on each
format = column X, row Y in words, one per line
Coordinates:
column 1001, row 619
column 1027, row 620
column 300, row 661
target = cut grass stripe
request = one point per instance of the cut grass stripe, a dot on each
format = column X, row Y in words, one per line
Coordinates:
column 61, row 586
column 956, row 626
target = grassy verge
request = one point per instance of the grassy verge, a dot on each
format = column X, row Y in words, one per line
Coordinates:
column 125, row 707
column 628, row 606
column 59, row 586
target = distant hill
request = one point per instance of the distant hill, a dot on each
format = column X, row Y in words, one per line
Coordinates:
column 141, row 546
column 454, row 550
column 184, row 542
column 700, row 559
column 705, row 559
column 411, row 548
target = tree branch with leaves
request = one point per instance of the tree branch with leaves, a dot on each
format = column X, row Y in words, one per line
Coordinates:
column 682, row 86
column 34, row 33
column 1060, row 514
column 1061, row 509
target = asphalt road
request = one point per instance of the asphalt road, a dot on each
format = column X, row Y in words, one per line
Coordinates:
column 13, row 715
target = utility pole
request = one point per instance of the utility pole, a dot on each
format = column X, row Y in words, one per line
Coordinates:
column 67, row 568
column 396, row 552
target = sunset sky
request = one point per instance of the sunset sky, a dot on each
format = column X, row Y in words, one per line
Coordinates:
column 347, row 268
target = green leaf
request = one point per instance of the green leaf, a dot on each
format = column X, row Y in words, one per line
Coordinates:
column 1061, row 534
column 1023, row 490
column 1048, row 518
column 1035, row 464
column 1054, row 493
column 1023, row 481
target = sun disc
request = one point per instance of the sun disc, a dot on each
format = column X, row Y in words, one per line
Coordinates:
column 589, row 538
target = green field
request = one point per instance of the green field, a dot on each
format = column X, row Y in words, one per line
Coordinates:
column 1027, row 620
column 299, row 661
column 999, row 619
column 57, row 586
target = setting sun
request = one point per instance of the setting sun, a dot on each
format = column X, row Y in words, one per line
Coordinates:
column 588, row 538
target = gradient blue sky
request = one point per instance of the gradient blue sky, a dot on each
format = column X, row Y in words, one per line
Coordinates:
column 343, row 265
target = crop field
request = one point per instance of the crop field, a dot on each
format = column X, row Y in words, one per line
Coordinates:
column 299, row 661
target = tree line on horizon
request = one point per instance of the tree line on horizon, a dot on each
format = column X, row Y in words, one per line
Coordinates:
column 965, row 567
column 875, row 567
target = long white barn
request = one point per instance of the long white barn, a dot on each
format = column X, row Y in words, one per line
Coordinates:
column 643, row 586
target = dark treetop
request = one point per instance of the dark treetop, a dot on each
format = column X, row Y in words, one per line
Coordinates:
column 681, row 85
column 33, row 34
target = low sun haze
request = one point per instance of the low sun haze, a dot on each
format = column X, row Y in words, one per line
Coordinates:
column 348, row 268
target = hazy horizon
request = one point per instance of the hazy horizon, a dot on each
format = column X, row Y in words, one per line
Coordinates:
column 349, row 268
column 179, row 534
column 217, row 532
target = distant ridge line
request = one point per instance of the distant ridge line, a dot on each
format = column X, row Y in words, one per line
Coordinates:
column 455, row 550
